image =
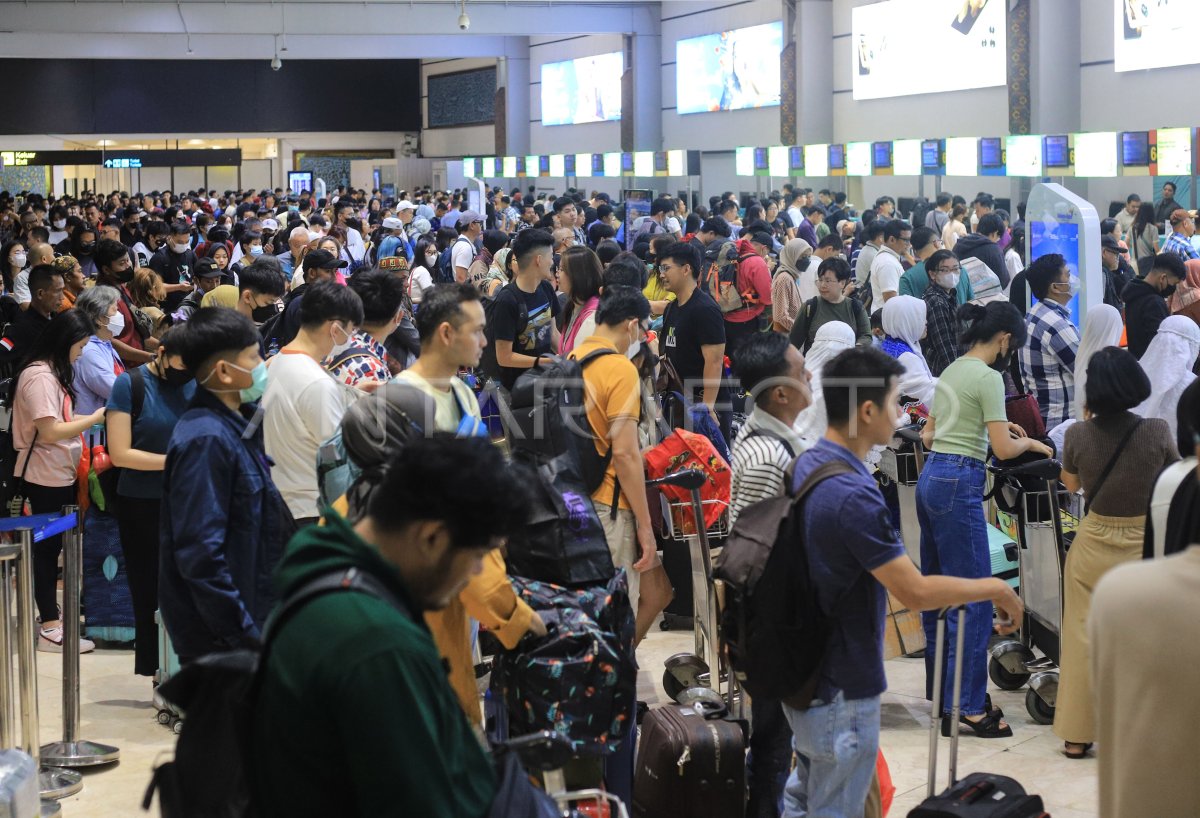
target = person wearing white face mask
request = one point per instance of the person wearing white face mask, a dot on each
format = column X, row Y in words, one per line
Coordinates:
column 98, row 366
column 1048, row 358
column 941, row 344
column 303, row 404
column 175, row 261
column 420, row 278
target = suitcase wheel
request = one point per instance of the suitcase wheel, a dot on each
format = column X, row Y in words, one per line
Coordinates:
column 1039, row 710
column 164, row 718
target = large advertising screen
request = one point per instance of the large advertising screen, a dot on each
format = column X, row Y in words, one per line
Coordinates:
column 1155, row 33
column 889, row 39
column 730, row 70
column 1175, row 151
column 587, row 89
column 1096, row 154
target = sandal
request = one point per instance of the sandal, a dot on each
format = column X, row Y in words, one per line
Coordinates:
column 991, row 708
column 986, row 727
column 1078, row 755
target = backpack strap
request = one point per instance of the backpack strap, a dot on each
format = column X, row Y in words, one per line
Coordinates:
column 766, row 433
column 583, row 362
column 821, row 473
column 339, row 579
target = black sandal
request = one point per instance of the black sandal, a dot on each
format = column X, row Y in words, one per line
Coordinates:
column 991, row 708
column 1076, row 756
column 986, row 727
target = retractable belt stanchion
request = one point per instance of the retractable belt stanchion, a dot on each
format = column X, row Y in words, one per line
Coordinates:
column 53, row 782
column 73, row 751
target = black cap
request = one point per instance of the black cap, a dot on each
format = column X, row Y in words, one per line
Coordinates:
column 323, row 260
column 1108, row 242
column 207, row 268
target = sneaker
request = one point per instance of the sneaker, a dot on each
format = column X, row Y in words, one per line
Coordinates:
column 50, row 640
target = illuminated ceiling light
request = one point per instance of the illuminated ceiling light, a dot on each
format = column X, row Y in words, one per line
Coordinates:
column 104, row 143
column 195, row 141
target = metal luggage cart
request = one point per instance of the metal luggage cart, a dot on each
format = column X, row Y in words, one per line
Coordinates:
column 1047, row 516
column 686, row 524
column 903, row 468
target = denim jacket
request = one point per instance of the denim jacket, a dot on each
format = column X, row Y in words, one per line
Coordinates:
column 223, row 529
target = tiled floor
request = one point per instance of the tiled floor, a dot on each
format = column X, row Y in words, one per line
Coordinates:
column 116, row 710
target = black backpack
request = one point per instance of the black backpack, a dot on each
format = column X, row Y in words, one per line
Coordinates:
column 772, row 622
column 487, row 360
column 210, row 774
column 273, row 332
column 564, row 541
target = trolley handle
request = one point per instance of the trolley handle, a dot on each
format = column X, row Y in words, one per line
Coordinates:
column 686, row 479
column 910, row 434
column 1046, row 469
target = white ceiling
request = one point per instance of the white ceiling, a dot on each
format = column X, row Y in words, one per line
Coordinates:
column 307, row 29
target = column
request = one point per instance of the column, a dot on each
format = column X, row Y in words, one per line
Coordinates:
column 813, row 33
column 641, row 109
column 512, row 98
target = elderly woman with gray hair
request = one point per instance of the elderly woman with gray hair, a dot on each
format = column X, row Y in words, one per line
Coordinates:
column 99, row 365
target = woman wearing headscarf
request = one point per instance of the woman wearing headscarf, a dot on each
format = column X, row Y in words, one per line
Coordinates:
column 1186, row 298
column 1168, row 363
column 904, row 327
column 832, row 339
column 1101, row 329
column 785, row 287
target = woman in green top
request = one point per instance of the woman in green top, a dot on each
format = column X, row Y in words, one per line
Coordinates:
column 967, row 415
column 831, row 304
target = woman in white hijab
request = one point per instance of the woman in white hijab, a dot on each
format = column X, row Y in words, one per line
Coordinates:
column 831, row 340
column 1101, row 329
column 1168, row 363
column 904, row 327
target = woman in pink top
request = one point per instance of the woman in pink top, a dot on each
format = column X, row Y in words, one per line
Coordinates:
column 46, row 436
column 580, row 278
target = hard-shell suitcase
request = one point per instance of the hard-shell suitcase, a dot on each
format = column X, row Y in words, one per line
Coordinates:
column 168, row 666
column 979, row 795
column 689, row 766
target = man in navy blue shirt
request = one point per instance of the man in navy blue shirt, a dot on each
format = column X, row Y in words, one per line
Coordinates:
column 853, row 556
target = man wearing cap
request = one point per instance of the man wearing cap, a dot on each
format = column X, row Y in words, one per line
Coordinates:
column 1183, row 226
column 1117, row 272
column 319, row 265
column 207, row 276
column 394, row 242
column 470, row 228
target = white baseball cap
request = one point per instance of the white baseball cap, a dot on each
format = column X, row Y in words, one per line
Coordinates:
column 405, row 205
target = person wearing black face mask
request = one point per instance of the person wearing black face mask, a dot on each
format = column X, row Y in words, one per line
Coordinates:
column 143, row 409
column 260, row 288
column 967, row 415
column 116, row 270
column 83, row 246
column 1146, row 300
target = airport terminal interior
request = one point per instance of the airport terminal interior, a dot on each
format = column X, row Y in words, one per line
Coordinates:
column 607, row 408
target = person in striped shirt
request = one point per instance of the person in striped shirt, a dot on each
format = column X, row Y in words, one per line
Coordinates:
column 1180, row 240
column 772, row 371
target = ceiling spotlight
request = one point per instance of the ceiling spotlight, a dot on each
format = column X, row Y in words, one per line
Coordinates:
column 276, row 63
column 464, row 22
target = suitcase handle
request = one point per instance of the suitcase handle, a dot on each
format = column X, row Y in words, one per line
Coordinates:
column 936, row 716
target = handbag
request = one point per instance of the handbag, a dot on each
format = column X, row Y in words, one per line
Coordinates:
column 1022, row 409
column 17, row 503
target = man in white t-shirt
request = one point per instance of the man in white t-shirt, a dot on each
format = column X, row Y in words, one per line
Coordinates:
column 303, row 404
column 36, row 254
column 886, row 267
column 450, row 325
column 470, row 228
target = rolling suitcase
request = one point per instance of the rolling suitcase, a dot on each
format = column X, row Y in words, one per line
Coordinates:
column 689, row 765
column 18, row 785
column 979, row 795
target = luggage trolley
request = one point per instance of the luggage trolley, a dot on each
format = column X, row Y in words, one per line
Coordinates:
column 1046, row 517
column 901, row 464
column 686, row 524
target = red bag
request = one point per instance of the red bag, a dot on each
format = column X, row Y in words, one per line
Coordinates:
column 1023, row 411
column 887, row 790
column 684, row 450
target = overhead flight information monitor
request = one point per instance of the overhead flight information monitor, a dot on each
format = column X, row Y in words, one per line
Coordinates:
column 1024, row 155
column 933, row 157
column 991, row 156
column 816, row 160
column 962, row 156
column 858, row 159
column 1096, row 154
column 906, row 157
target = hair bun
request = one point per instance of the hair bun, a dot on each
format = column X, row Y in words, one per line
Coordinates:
column 971, row 312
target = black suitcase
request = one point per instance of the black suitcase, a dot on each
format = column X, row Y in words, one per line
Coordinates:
column 979, row 795
column 689, row 766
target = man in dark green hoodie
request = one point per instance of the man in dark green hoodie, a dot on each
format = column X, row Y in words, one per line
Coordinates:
column 355, row 715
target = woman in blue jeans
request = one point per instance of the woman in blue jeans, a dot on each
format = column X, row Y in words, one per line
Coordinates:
column 967, row 415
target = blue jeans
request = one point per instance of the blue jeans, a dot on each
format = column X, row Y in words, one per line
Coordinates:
column 954, row 543
column 836, row 746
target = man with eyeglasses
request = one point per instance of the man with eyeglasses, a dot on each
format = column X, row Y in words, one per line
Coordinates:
column 925, row 242
column 940, row 344
column 886, row 267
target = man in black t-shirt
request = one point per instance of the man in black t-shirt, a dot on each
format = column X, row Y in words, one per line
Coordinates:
column 521, row 321
column 175, row 262
column 693, row 332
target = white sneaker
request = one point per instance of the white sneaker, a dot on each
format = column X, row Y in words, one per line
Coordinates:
column 50, row 640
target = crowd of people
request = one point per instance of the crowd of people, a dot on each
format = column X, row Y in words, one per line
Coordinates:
column 224, row 344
